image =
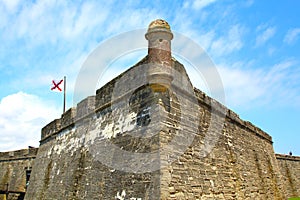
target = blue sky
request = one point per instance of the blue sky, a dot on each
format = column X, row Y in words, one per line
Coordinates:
column 254, row 44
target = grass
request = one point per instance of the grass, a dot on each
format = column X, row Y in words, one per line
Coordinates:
column 294, row 198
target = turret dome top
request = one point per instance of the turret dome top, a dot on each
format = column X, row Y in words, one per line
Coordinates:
column 159, row 23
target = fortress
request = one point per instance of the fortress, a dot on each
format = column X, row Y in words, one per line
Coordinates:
column 149, row 134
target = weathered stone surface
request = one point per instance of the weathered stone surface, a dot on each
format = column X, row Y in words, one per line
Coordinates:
column 241, row 166
column 13, row 167
column 290, row 170
column 51, row 129
column 68, row 118
column 85, row 107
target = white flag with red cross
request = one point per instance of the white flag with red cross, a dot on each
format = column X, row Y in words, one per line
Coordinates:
column 57, row 86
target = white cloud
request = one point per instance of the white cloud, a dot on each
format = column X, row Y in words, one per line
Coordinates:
column 10, row 5
column 265, row 36
column 77, row 23
column 199, row 4
column 48, row 22
column 229, row 43
column 241, row 86
column 56, row 22
column 22, row 116
column 206, row 39
column 246, row 87
column 292, row 35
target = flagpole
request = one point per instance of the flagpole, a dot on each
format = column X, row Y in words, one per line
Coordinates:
column 64, row 108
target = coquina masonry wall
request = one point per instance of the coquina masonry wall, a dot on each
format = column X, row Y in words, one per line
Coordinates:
column 13, row 166
column 290, row 169
column 242, row 164
column 70, row 167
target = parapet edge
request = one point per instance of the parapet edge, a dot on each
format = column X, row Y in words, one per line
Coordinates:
column 50, row 129
column 68, row 118
column 287, row 157
column 231, row 115
column 21, row 154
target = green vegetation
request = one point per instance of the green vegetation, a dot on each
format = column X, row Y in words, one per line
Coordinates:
column 294, row 198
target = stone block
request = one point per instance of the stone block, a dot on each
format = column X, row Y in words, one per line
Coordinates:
column 85, row 107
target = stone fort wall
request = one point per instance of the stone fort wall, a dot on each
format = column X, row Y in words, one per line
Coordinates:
column 242, row 165
column 13, row 168
column 290, row 170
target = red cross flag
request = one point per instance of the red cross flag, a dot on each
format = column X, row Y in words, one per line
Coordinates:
column 59, row 87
